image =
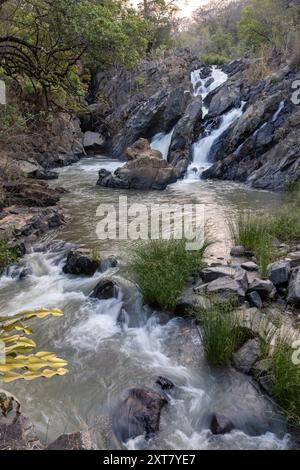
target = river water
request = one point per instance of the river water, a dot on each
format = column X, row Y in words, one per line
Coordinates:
column 105, row 359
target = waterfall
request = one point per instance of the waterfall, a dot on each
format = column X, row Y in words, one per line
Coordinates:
column 162, row 142
column 203, row 86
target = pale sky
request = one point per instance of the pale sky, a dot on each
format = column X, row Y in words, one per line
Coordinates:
column 186, row 6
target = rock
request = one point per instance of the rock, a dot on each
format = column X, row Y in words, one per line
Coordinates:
column 80, row 262
column 246, row 356
column 237, row 251
column 138, row 414
column 220, row 424
column 279, row 273
column 235, row 272
column 105, row 289
column 93, row 142
column 164, row 383
column 41, row 174
column 265, row 289
column 226, row 287
column 255, row 299
column 250, row 266
column 190, row 300
column 82, row 440
column 109, row 262
column 30, row 194
column 145, row 170
column 16, row 430
column 294, row 287
column 294, row 259
column 262, row 367
column 226, row 98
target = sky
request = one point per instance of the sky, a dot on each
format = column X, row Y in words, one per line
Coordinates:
column 186, row 6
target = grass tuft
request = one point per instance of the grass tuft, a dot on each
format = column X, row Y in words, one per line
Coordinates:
column 7, row 255
column 161, row 268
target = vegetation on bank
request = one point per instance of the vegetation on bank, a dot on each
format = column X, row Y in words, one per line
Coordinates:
column 16, row 360
column 161, row 268
column 7, row 255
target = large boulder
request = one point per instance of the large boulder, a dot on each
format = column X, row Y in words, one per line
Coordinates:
column 279, row 273
column 139, row 413
column 294, row 287
column 81, row 262
column 265, row 288
column 235, row 272
column 226, row 98
column 145, row 170
column 226, row 287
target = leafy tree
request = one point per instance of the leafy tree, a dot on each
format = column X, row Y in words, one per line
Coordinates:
column 161, row 16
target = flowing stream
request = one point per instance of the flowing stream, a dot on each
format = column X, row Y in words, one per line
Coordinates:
column 106, row 359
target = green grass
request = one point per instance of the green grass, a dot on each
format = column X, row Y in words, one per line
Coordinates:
column 161, row 268
column 285, row 380
column 220, row 331
column 7, row 255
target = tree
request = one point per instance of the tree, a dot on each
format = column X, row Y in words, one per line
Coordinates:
column 161, row 16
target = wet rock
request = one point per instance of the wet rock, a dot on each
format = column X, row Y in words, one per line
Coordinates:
column 294, row 259
column 279, row 273
column 109, row 262
column 83, row 440
column 145, row 170
column 265, row 289
column 226, row 98
column 190, row 300
column 255, row 299
column 226, row 287
column 164, row 383
column 16, row 430
column 81, row 262
column 250, row 266
column 246, row 356
column 93, row 142
column 238, row 251
column 41, row 174
column 105, row 289
column 138, row 414
column 220, row 424
column 294, row 287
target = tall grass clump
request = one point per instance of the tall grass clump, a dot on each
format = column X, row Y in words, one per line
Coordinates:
column 7, row 255
column 255, row 233
column 285, row 381
column 161, row 269
column 220, row 331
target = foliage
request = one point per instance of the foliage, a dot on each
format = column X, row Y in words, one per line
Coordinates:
column 214, row 59
column 161, row 269
column 285, row 381
column 7, row 255
column 19, row 363
column 220, row 331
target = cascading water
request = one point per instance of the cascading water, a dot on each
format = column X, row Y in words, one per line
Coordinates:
column 203, row 86
column 162, row 142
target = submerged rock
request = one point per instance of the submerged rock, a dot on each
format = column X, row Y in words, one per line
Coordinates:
column 246, row 356
column 82, row 440
column 144, row 170
column 138, row 414
column 105, row 289
column 81, row 262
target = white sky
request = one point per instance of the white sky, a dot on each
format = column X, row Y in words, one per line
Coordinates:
column 186, row 6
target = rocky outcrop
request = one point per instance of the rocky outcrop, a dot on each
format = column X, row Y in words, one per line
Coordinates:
column 82, row 440
column 16, row 430
column 93, row 142
column 81, row 262
column 139, row 413
column 144, row 170
column 30, row 193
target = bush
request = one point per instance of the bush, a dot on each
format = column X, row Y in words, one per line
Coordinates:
column 214, row 59
column 220, row 331
column 7, row 255
column 285, row 381
column 161, row 269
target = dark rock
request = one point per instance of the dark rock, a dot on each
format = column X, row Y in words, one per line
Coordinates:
column 262, row 367
column 294, row 287
column 190, row 300
column 138, row 414
column 246, row 356
column 265, row 289
column 220, row 424
column 235, row 272
column 237, row 251
column 294, row 259
column 226, row 287
column 41, row 174
column 82, row 440
column 31, row 194
column 279, row 273
column 255, row 299
column 164, row 383
column 81, row 262
column 250, row 266
column 226, row 98
column 105, row 289
column 93, row 142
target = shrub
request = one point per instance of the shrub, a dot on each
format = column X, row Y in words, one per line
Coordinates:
column 161, row 269
column 7, row 255
column 220, row 331
column 214, row 59
column 285, row 381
